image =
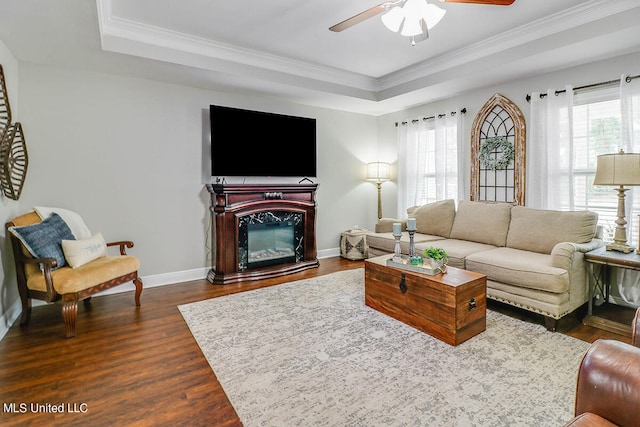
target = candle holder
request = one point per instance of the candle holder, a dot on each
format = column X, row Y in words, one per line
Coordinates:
column 397, row 254
column 412, row 246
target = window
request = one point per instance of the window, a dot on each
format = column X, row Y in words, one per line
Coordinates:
column 428, row 161
column 427, row 151
column 596, row 130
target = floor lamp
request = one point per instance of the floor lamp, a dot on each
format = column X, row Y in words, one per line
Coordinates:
column 621, row 169
column 378, row 172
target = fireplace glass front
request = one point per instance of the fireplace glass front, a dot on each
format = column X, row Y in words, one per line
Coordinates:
column 270, row 243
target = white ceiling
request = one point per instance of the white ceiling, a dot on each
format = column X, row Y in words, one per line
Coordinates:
column 283, row 48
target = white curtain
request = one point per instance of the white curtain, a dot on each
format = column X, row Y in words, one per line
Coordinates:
column 429, row 147
column 629, row 281
column 412, row 142
column 550, row 160
column 449, row 163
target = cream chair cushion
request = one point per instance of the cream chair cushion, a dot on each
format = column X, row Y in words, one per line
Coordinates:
column 80, row 252
column 68, row 280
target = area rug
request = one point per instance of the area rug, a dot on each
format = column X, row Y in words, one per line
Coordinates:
column 310, row 353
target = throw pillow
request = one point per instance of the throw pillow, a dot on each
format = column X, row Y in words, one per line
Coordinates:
column 73, row 220
column 44, row 239
column 80, row 252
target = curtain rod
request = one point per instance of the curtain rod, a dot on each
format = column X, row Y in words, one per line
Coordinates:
column 607, row 83
column 453, row 113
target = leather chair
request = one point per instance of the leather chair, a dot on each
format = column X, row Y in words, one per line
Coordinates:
column 608, row 386
column 38, row 278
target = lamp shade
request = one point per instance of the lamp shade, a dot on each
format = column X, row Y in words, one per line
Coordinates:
column 378, row 171
column 618, row 169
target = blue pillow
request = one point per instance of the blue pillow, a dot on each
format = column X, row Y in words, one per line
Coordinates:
column 44, row 239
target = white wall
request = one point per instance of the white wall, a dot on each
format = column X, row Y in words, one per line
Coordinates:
column 9, row 306
column 128, row 155
column 516, row 91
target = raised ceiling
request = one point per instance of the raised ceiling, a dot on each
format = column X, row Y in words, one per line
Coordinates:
column 283, row 48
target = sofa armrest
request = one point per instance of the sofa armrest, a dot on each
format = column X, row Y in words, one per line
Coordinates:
column 562, row 253
column 385, row 225
column 609, row 382
column 587, row 247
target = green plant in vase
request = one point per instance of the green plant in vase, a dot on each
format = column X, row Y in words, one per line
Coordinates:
column 437, row 257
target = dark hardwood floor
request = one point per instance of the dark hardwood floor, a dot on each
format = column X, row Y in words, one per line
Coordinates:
column 133, row 365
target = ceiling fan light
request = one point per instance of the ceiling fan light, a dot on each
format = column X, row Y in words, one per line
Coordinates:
column 433, row 15
column 393, row 19
column 413, row 27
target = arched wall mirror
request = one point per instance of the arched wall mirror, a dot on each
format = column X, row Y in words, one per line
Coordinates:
column 498, row 150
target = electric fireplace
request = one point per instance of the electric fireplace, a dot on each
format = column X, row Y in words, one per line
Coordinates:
column 262, row 231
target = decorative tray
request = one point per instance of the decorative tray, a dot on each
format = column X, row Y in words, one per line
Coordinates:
column 406, row 265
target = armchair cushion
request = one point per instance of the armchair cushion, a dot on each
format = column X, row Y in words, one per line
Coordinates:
column 43, row 240
column 80, row 252
column 68, row 280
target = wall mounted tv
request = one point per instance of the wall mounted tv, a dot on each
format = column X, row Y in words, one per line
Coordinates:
column 253, row 143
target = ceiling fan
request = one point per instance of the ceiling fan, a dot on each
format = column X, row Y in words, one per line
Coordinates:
column 414, row 28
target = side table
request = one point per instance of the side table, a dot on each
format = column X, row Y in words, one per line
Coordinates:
column 607, row 260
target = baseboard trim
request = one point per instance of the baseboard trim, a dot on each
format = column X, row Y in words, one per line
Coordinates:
column 9, row 317
column 328, row 253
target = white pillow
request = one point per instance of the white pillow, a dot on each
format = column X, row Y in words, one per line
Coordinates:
column 73, row 220
column 80, row 252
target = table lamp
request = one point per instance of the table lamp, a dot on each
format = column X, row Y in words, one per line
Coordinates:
column 621, row 169
column 378, row 172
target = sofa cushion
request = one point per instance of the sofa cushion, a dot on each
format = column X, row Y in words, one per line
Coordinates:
column 520, row 268
column 434, row 218
column 457, row 250
column 482, row 222
column 387, row 243
column 540, row 230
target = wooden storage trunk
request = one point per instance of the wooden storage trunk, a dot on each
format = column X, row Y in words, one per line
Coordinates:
column 451, row 307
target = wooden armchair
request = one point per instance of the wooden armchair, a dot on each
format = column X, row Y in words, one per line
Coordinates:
column 608, row 386
column 40, row 279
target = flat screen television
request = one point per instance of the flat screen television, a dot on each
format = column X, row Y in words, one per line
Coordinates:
column 253, row 143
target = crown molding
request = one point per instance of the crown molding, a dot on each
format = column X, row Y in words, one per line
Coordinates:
column 116, row 32
column 588, row 12
column 135, row 38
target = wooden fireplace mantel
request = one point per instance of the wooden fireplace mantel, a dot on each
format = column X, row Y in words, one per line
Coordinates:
column 231, row 202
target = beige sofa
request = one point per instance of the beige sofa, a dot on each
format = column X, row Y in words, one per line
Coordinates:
column 533, row 259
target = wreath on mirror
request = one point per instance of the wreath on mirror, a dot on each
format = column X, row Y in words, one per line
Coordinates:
column 496, row 153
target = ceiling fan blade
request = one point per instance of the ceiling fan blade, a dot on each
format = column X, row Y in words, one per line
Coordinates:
column 493, row 2
column 362, row 16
